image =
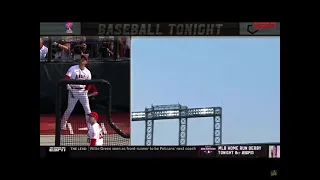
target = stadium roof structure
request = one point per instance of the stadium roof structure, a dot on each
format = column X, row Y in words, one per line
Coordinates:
column 183, row 113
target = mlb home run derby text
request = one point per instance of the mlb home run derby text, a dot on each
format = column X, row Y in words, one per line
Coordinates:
column 158, row 30
column 238, row 150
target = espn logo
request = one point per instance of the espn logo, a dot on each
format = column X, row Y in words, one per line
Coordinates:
column 274, row 151
column 57, row 149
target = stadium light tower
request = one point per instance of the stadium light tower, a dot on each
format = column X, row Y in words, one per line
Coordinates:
column 177, row 111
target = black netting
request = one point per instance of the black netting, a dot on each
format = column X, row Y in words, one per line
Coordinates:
column 72, row 106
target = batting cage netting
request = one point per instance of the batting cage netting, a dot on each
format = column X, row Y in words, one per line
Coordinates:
column 72, row 107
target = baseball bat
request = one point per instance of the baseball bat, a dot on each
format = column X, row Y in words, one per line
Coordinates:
column 69, row 89
column 71, row 94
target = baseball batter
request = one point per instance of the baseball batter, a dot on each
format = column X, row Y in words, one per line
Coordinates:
column 95, row 133
column 77, row 92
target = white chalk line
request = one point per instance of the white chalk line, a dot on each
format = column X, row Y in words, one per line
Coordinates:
column 84, row 129
column 70, row 128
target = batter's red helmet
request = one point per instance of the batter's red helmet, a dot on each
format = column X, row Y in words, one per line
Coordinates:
column 94, row 114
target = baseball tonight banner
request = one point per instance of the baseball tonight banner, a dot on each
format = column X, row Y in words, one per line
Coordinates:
column 161, row 29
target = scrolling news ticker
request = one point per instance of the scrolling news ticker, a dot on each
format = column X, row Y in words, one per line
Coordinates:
column 271, row 151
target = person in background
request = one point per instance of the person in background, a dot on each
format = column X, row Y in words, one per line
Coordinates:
column 124, row 46
column 111, row 50
column 90, row 47
column 80, row 51
column 106, row 49
column 76, row 46
column 103, row 49
column 61, row 49
column 43, row 50
column 127, row 47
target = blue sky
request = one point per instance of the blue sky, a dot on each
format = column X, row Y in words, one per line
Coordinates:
column 241, row 74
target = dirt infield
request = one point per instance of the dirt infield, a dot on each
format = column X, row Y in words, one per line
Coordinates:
column 76, row 133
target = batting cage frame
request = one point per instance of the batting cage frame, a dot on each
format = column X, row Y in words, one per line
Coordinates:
column 63, row 83
column 183, row 113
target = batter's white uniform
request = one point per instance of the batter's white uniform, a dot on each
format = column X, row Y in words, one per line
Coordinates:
column 77, row 93
column 95, row 133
